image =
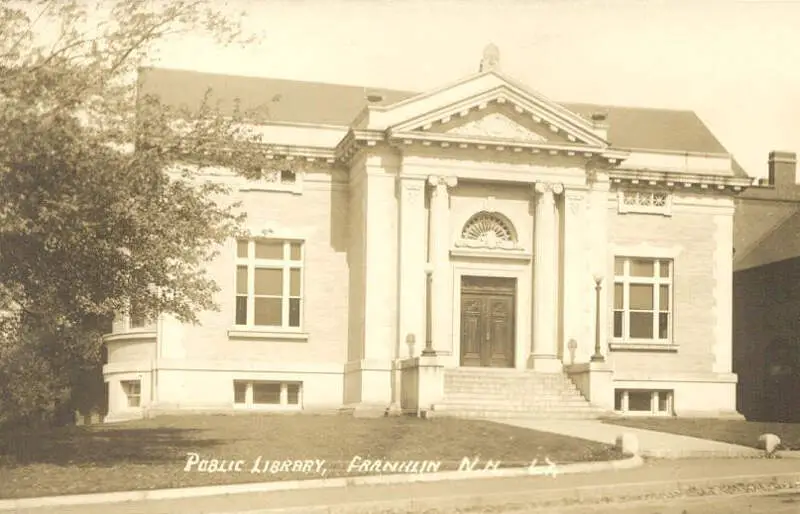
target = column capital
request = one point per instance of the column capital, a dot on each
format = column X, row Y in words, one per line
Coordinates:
column 440, row 180
column 555, row 188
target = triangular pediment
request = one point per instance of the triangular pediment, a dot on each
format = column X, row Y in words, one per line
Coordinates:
column 497, row 126
column 486, row 106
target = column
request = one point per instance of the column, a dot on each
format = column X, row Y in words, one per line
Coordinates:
column 439, row 260
column 544, row 353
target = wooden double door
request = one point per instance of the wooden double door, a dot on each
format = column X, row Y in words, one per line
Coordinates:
column 487, row 321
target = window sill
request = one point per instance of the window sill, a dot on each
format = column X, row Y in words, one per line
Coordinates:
column 265, row 334
column 643, row 347
column 267, row 407
column 643, row 414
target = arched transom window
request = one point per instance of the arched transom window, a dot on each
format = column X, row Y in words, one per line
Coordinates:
column 490, row 230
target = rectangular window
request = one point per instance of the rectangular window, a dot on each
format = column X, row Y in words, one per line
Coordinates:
column 643, row 401
column 239, row 391
column 262, row 393
column 269, row 283
column 643, row 300
column 133, row 392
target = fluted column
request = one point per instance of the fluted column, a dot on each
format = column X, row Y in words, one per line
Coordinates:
column 439, row 259
column 544, row 352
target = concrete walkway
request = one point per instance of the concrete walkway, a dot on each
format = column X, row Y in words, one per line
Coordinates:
column 651, row 443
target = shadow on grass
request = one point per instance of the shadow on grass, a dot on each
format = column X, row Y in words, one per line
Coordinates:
column 83, row 446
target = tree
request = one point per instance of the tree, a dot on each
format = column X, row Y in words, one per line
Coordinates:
column 91, row 223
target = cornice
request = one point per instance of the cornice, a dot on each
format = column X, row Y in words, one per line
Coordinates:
column 672, row 180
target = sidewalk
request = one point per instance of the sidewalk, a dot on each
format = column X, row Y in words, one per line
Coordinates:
column 651, row 443
column 654, row 477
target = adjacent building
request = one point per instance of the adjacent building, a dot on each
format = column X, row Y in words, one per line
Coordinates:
column 766, row 298
column 477, row 249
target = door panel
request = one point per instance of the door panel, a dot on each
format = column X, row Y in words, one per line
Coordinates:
column 502, row 329
column 472, row 327
column 487, row 322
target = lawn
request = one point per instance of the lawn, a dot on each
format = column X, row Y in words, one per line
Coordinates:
column 732, row 431
column 153, row 454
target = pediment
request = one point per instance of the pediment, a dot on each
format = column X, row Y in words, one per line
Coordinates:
column 496, row 125
column 487, row 106
column 501, row 123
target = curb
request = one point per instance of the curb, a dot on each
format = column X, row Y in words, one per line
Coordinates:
column 746, row 453
column 537, row 499
column 293, row 485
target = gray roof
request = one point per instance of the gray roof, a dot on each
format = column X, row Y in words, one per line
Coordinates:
column 293, row 101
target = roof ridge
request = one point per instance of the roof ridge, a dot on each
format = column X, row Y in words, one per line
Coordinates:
column 282, row 79
column 402, row 91
column 618, row 106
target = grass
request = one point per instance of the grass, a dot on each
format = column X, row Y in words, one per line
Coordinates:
column 732, row 431
column 152, row 454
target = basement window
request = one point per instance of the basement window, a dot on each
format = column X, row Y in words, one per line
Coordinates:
column 133, row 392
column 267, row 394
column 644, row 402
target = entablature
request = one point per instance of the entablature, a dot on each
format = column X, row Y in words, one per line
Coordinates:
column 677, row 180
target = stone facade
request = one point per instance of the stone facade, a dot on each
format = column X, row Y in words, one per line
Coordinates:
column 478, row 225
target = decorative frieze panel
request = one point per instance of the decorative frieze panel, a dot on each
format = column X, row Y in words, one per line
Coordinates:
column 644, row 202
column 287, row 180
column 496, row 125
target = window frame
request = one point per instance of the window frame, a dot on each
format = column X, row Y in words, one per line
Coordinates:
column 126, row 386
column 283, row 395
column 626, row 279
column 656, row 396
column 285, row 264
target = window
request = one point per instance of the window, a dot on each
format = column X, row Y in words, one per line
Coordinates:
column 642, row 300
column 644, row 202
column 643, row 401
column 137, row 321
column 489, row 230
column 133, row 392
column 260, row 393
column 269, row 283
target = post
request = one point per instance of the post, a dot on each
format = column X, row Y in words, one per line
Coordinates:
column 428, row 351
column 598, row 354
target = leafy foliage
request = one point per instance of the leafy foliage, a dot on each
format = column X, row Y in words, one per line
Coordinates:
column 91, row 221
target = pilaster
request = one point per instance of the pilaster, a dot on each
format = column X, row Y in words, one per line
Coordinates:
column 544, row 353
column 412, row 260
column 380, row 263
column 575, row 305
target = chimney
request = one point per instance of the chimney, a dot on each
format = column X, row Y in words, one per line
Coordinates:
column 600, row 124
column 782, row 169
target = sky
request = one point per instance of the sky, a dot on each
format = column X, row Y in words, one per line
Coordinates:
column 735, row 63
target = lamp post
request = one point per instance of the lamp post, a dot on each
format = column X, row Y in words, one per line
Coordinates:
column 598, row 354
column 428, row 351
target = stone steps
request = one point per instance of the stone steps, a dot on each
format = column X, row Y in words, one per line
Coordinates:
column 507, row 394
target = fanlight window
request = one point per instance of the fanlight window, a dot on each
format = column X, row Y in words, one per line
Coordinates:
column 489, row 229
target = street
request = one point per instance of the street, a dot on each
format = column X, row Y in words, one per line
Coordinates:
column 773, row 502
